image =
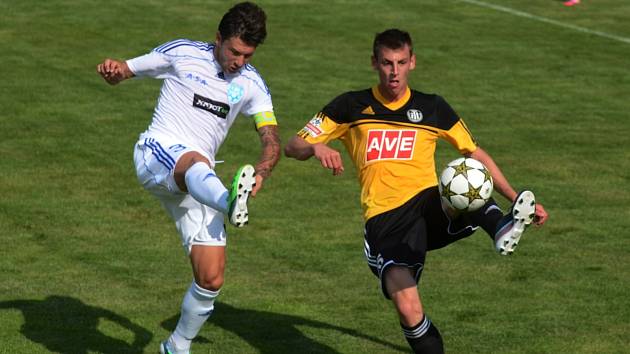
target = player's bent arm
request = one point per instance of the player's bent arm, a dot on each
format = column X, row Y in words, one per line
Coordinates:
column 298, row 149
column 270, row 143
column 114, row 71
column 501, row 184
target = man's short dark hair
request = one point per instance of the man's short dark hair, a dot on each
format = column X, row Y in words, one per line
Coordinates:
column 246, row 21
column 393, row 39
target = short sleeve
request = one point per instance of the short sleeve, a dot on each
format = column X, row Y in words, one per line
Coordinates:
column 337, row 110
column 259, row 95
column 322, row 129
column 453, row 128
column 154, row 64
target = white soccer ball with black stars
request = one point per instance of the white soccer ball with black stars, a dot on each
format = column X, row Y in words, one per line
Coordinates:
column 465, row 184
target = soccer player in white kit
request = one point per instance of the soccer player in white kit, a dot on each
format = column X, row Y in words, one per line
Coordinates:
column 206, row 85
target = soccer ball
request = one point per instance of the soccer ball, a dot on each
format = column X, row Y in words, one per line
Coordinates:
column 465, row 184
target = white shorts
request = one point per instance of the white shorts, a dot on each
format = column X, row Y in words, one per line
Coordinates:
column 198, row 224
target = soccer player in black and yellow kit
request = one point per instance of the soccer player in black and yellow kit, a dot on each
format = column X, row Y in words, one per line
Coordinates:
column 391, row 131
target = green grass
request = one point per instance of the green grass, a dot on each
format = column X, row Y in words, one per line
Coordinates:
column 91, row 264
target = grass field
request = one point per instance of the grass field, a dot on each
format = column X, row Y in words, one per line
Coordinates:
column 90, row 263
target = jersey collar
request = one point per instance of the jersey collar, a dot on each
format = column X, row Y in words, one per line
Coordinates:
column 391, row 105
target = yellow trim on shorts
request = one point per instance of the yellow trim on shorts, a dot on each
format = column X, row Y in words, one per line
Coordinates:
column 264, row 118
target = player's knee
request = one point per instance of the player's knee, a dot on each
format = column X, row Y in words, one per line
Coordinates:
column 410, row 313
column 186, row 161
column 409, row 310
column 211, row 281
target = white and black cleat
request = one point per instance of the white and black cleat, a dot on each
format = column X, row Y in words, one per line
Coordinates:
column 513, row 224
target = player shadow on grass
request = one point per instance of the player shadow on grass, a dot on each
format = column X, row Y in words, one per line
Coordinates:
column 69, row 326
column 275, row 333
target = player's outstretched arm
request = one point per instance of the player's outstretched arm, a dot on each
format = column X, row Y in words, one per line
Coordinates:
column 300, row 149
column 270, row 143
column 114, row 71
column 501, row 184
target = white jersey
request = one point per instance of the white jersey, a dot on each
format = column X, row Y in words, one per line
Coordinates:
column 199, row 102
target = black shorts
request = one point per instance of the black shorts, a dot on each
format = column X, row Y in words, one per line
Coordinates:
column 402, row 236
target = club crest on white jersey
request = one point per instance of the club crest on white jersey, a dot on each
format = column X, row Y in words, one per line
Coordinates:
column 235, row 93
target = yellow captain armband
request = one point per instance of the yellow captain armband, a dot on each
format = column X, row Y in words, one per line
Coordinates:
column 264, row 118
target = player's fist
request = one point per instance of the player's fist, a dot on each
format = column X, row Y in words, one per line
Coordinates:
column 114, row 71
column 329, row 158
column 540, row 215
column 257, row 185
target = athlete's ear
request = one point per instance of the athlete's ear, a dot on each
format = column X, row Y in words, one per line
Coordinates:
column 374, row 62
column 218, row 38
column 412, row 62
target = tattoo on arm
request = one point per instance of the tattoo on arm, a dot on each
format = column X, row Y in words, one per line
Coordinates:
column 270, row 141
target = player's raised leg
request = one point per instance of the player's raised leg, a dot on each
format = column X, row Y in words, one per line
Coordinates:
column 194, row 175
column 513, row 224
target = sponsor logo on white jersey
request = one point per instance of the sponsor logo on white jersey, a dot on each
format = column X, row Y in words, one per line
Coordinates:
column 219, row 109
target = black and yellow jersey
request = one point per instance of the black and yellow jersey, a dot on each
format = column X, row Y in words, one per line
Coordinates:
column 392, row 144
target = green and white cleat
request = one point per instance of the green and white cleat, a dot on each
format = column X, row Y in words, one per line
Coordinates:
column 242, row 185
column 512, row 226
column 167, row 347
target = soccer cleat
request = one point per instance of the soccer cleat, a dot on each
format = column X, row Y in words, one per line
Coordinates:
column 167, row 347
column 242, row 185
column 571, row 2
column 513, row 224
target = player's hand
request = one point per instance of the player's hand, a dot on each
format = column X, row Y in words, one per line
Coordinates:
column 540, row 215
column 258, row 185
column 113, row 71
column 329, row 158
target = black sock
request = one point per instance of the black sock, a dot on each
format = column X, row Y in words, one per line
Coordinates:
column 488, row 217
column 424, row 338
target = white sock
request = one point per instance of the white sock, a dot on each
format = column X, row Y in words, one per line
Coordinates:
column 204, row 185
column 196, row 309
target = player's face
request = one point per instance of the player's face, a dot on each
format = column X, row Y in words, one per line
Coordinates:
column 232, row 53
column 393, row 67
